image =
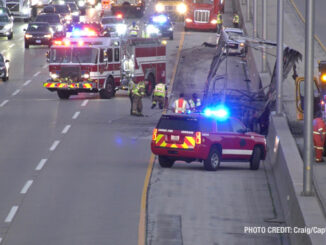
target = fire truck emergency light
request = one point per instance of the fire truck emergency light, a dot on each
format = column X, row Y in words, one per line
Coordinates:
column 119, row 16
column 323, row 78
column 220, row 113
column 160, row 19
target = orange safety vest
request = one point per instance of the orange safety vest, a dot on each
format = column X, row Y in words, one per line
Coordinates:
column 180, row 106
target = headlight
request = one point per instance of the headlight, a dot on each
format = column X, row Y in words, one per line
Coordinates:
column 48, row 36
column 81, row 3
column 7, row 26
column 54, row 75
column 181, row 8
column 28, row 36
column 242, row 44
column 121, row 29
column 159, row 7
column 213, row 21
column 59, row 28
column 188, row 20
column 151, row 29
column 85, row 75
column 170, row 29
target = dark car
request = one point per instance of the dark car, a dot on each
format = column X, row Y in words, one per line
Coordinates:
column 64, row 11
column 4, row 68
column 38, row 33
column 54, row 21
column 164, row 24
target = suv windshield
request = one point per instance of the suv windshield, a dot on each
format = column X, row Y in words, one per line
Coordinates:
column 178, row 123
column 74, row 55
column 4, row 18
column 48, row 18
column 38, row 27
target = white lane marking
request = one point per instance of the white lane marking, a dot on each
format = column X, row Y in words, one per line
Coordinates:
column 16, row 92
column 84, row 103
column 41, row 164
column 27, row 82
column 76, row 115
column 11, row 45
column 11, row 214
column 0, row 239
column 65, row 130
column 3, row 103
column 54, row 145
column 36, row 74
column 45, row 66
column 26, row 187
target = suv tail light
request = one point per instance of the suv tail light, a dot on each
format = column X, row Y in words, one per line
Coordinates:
column 198, row 138
column 154, row 134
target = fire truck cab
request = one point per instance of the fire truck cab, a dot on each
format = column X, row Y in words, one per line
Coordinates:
column 103, row 64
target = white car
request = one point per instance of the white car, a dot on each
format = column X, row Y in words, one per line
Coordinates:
column 6, row 26
column 236, row 42
column 114, row 25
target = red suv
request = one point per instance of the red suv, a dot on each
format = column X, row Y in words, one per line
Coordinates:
column 195, row 137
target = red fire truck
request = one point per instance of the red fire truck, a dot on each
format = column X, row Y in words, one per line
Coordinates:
column 104, row 64
column 202, row 14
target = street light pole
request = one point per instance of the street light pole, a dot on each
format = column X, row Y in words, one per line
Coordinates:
column 279, row 64
column 308, row 98
column 255, row 19
column 264, row 36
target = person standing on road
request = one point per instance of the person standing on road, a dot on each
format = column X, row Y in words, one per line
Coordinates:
column 131, row 87
column 319, row 133
column 137, row 94
column 180, row 105
column 159, row 95
column 219, row 23
column 134, row 29
column 194, row 102
column 236, row 20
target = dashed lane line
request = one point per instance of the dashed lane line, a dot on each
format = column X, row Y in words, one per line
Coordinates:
column 36, row 74
column 11, row 214
column 54, row 145
column 11, row 45
column 76, row 115
column 41, row 164
column 3, row 103
column 26, row 187
column 16, row 92
column 27, row 82
column 84, row 103
column 66, row 129
column 0, row 239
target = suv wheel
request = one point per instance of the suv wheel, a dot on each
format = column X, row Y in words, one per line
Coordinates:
column 213, row 160
column 255, row 158
column 165, row 162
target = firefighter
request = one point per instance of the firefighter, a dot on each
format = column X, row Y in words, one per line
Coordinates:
column 131, row 86
column 133, row 30
column 319, row 131
column 219, row 23
column 236, row 20
column 159, row 95
column 194, row 102
column 137, row 94
column 180, row 105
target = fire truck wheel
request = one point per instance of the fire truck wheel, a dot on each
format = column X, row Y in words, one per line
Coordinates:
column 26, row 45
column 165, row 162
column 151, row 84
column 255, row 158
column 186, row 29
column 213, row 160
column 108, row 92
column 64, row 95
column 5, row 77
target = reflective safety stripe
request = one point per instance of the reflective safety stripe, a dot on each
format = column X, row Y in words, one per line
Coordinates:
column 67, row 85
column 236, row 152
column 188, row 143
column 180, row 106
column 316, row 132
column 319, row 147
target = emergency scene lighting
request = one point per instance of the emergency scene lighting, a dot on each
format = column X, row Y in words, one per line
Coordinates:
column 219, row 112
column 160, row 19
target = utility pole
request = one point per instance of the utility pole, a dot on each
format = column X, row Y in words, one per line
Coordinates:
column 279, row 64
column 264, row 36
column 308, row 98
column 248, row 10
column 254, row 20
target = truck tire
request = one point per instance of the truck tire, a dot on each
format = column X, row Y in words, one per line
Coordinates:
column 63, row 94
column 165, row 162
column 255, row 158
column 213, row 160
column 151, row 84
column 109, row 91
column 26, row 45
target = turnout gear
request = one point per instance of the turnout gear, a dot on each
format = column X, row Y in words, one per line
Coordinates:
column 180, row 105
column 159, row 95
column 131, row 86
column 219, row 23
column 133, row 30
column 194, row 103
column 236, row 20
column 138, row 92
column 319, row 133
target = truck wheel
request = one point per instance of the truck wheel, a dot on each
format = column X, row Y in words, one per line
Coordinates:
column 5, row 77
column 213, row 160
column 171, row 36
column 255, row 158
column 26, row 45
column 109, row 91
column 165, row 162
column 62, row 94
column 151, row 84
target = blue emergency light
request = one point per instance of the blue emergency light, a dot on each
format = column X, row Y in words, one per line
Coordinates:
column 161, row 19
column 220, row 112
